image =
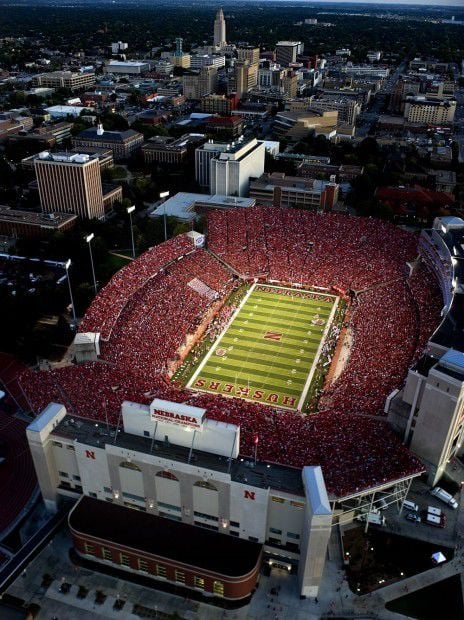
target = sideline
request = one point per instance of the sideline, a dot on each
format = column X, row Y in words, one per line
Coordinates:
column 215, row 345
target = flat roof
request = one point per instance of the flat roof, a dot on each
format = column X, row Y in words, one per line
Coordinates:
column 260, row 474
column 179, row 542
column 127, row 63
column 47, row 415
column 44, row 220
column 182, row 204
column 112, row 136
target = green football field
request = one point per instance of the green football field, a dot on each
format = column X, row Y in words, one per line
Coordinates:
column 269, row 350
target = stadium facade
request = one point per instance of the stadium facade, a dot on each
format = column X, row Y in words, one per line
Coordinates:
column 429, row 411
column 171, row 463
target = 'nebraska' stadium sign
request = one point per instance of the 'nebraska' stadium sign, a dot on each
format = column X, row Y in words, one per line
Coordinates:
column 177, row 413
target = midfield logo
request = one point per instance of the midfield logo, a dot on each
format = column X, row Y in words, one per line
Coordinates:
column 273, row 336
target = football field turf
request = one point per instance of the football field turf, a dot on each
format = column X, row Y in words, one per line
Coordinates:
column 269, row 350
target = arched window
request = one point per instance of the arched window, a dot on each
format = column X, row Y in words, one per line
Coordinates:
column 167, row 475
column 205, row 485
column 129, row 465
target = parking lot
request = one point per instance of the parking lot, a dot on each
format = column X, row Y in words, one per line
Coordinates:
column 420, row 495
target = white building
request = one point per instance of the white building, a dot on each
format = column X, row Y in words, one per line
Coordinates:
column 366, row 70
column 197, row 61
column 170, row 467
column 374, row 55
column 127, row 67
column 119, row 47
column 220, row 30
column 226, row 168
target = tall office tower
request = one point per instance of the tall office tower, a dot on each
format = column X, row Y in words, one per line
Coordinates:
column 70, row 183
column 287, row 51
column 226, row 168
column 245, row 77
column 220, row 29
column 200, row 83
column 249, row 53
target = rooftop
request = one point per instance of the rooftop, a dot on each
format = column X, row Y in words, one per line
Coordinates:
column 66, row 157
column 182, row 205
column 165, row 538
column 259, row 474
column 44, row 220
column 107, row 136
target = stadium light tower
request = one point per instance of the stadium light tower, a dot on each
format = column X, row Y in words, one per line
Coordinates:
column 130, row 210
column 88, row 240
column 67, row 265
column 163, row 196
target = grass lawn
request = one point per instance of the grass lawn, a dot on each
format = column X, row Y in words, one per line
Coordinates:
column 270, row 349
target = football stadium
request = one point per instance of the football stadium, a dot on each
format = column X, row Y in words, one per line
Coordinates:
column 240, row 381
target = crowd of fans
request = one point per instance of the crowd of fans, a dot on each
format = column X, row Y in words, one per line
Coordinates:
column 303, row 247
column 383, row 327
column 109, row 303
column 154, row 323
column 148, row 308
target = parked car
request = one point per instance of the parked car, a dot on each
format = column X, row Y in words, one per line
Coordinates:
column 414, row 517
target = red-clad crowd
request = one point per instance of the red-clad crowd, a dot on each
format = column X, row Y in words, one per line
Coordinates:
column 146, row 311
column 153, row 324
column 305, row 247
column 109, row 303
column 384, row 341
column 428, row 300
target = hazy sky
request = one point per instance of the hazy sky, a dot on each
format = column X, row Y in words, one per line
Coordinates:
column 458, row 3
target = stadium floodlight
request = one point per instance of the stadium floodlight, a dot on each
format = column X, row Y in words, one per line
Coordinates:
column 162, row 196
column 88, row 239
column 67, row 265
column 130, row 210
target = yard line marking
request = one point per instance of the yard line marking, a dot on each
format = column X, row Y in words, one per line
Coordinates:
column 214, row 347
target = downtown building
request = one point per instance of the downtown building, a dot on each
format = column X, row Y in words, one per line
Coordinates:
column 226, row 168
column 220, row 30
column 71, row 183
column 122, row 143
column 64, row 79
column 287, row 52
column 167, row 496
column 280, row 190
column 428, row 111
column 198, row 84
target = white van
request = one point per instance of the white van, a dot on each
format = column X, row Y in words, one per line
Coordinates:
column 407, row 505
column 445, row 497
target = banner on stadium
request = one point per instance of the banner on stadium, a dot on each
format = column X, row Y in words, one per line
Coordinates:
column 177, row 413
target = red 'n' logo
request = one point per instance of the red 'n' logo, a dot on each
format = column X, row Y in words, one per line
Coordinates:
column 90, row 454
column 249, row 494
column 273, row 336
